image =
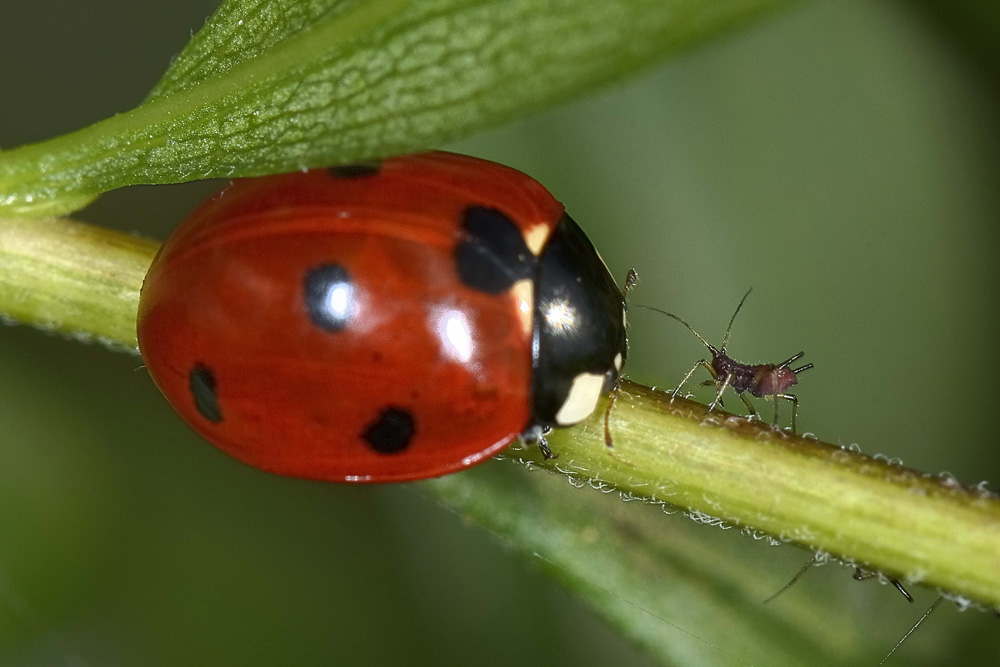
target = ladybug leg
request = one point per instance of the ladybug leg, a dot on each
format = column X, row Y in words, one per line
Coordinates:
column 535, row 435
column 544, row 446
column 608, row 441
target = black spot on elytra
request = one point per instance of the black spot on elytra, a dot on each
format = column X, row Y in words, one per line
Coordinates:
column 390, row 432
column 492, row 254
column 202, row 384
column 330, row 296
column 359, row 170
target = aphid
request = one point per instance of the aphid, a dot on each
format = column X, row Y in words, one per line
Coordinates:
column 761, row 380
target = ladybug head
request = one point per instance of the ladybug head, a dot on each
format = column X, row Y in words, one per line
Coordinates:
column 579, row 329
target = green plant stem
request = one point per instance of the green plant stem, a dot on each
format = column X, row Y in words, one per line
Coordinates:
column 70, row 277
column 67, row 276
column 918, row 527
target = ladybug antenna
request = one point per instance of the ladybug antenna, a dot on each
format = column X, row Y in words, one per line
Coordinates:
column 725, row 339
column 630, row 280
column 711, row 347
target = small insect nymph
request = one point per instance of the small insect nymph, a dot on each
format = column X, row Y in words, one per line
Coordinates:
column 760, row 380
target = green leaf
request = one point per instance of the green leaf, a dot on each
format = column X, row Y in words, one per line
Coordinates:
column 278, row 85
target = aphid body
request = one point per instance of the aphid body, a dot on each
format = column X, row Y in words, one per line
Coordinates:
column 760, row 380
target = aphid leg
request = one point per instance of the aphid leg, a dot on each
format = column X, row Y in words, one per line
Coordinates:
column 722, row 388
column 753, row 416
column 710, row 383
column 860, row 574
column 795, row 409
column 915, row 626
column 687, row 377
column 798, row 575
column 899, row 587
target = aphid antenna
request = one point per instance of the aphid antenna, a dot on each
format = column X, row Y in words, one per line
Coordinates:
column 725, row 339
column 710, row 347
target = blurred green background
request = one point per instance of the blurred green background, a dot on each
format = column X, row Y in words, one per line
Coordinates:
column 841, row 158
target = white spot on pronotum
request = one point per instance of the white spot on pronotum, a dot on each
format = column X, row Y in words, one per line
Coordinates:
column 618, row 361
column 582, row 398
column 524, row 295
column 536, row 237
column 560, row 316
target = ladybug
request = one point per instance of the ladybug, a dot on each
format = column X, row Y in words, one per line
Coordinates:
column 380, row 322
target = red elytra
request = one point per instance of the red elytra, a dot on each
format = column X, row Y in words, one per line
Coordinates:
column 378, row 323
